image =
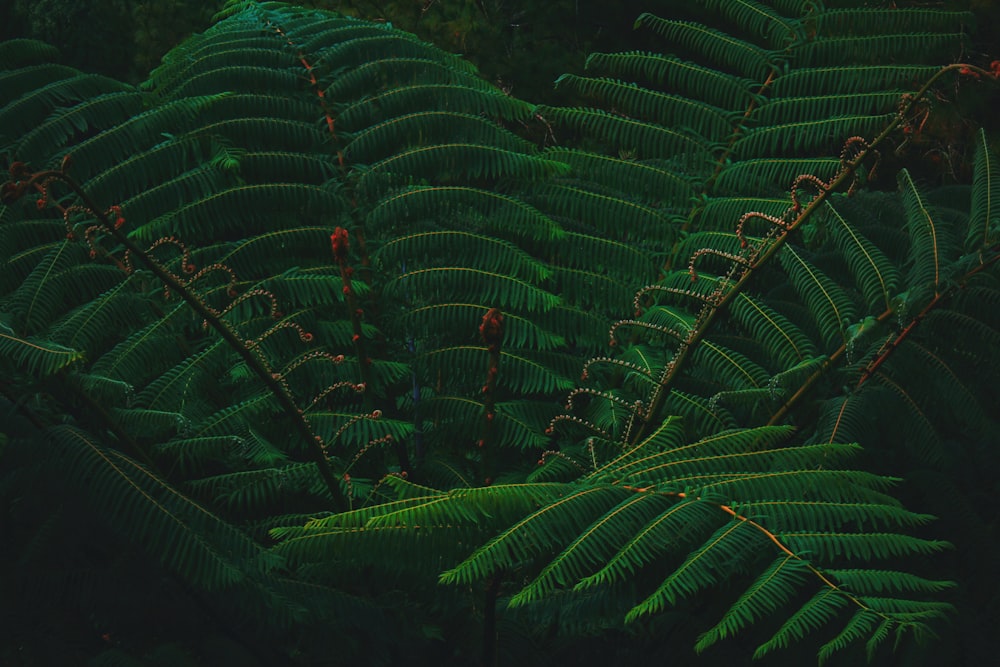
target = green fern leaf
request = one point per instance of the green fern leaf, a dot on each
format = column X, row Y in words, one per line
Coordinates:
column 874, row 273
column 780, row 31
column 386, row 71
column 984, row 218
column 455, row 98
column 647, row 139
column 772, row 588
column 809, row 135
column 750, row 176
column 886, row 20
column 513, row 218
column 552, row 526
column 687, row 78
column 492, row 289
column 183, row 535
column 632, row 100
column 708, row 565
column 648, row 178
column 380, row 141
column 18, row 53
column 20, row 115
column 850, row 79
column 459, row 161
column 828, row 303
column 818, row 611
column 748, row 59
column 39, row 358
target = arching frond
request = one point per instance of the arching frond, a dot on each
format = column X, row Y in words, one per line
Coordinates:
column 670, row 73
column 828, row 303
column 514, row 218
column 183, row 535
column 632, row 100
column 40, row 358
column 648, row 140
column 745, row 57
column 984, row 225
column 383, row 139
column 458, row 161
column 646, row 178
column 875, row 274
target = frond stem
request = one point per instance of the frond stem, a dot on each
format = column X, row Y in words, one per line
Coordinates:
column 209, row 315
column 847, row 171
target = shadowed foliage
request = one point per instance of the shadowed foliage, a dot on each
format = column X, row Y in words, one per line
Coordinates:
column 307, row 335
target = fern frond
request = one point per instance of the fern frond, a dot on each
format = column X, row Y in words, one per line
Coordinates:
column 497, row 255
column 674, row 527
column 874, row 48
column 861, row 625
column 103, row 154
column 875, row 274
column 647, row 178
column 64, row 124
column 687, row 78
column 518, row 331
column 797, row 514
column 632, row 100
column 815, row 107
column 37, row 357
column 894, row 20
column 603, row 254
column 183, row 535
column 236, row 211
column 523, row 371
column 386, row 72
column 423, row 127
column 19, row 53
column 822, row 134
column 408, row 99
column 828, row 303
column 61, row 280
column 459, row 161
column 450, row 282
column 514, row 218
column 728, row 367
column 102, row 319
column 550, row 527
column 850, row 79
column 615, row 216
column 19, row 80
column 142, row 354
column 778, row 30
column 785, row 343
column 929, row 240
column 984, row 225
column 645, row 139
column 248, row 79
column 772, row 588
column 877, row 582
column 254, row 490
column 745, row 57
column 594, row 545
column 701, row 416
column 708, row 565
column 818, row 611
column 862, row 546
column 19, row 116
column 394, row 44
column 750, row 176
column 592, row 288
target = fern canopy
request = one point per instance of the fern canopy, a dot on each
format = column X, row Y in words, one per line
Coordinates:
column 319, row 331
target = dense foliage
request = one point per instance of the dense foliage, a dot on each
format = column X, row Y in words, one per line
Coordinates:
column 342, row 353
